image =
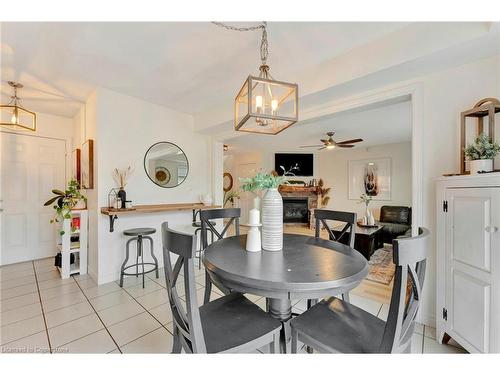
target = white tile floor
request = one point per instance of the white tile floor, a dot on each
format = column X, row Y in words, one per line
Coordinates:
column 40, row 313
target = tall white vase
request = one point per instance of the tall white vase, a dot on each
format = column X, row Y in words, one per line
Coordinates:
column 272, row 221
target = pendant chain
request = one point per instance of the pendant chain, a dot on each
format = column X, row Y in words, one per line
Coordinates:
column 264, row 44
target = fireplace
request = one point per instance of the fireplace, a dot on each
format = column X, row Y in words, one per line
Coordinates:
column 295, row 210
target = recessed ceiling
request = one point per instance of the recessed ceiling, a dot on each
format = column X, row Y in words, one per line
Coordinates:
column 380, row 125
column 187, row 66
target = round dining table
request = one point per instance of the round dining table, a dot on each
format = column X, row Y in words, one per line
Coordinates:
column 306, row 267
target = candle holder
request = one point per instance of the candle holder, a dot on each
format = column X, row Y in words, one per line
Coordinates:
column 253, row 238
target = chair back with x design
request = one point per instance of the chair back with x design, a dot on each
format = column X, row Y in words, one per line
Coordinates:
column 188, row 331
column 409, row 256
column 349, row 218
column 233, row 214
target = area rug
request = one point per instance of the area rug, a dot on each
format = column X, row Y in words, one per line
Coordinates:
column 381, row 269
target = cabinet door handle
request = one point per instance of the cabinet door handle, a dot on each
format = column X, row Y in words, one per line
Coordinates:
column 491, row 229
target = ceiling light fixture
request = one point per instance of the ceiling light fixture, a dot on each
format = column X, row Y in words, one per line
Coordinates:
column 264, row 105
column 14, row 115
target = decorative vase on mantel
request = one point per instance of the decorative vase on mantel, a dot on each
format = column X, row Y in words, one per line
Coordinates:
column 272, row 220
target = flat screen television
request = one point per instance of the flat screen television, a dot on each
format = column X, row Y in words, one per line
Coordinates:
column 301, row 165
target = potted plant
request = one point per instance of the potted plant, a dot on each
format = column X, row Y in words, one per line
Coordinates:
column 65, row 201
column 272, row 208
column 481, row 154
column 322, row 192
column 368, row 219
column 252, row 185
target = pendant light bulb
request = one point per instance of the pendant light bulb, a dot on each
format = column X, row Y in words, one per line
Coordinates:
column 14, row 119
column 259, row 103
column 274, row 105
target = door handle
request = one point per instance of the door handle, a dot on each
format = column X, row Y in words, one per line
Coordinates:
column 491, row 229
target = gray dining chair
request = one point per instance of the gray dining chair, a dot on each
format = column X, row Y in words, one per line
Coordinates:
column 336, row 326
column 349, row 231
column 349, row 218
column 197, row 224
column 206, row 217
column 228, row 324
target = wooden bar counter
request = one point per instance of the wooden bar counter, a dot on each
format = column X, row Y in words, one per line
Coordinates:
column 114, row 213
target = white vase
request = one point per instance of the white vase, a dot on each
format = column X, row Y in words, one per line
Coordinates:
column 482, row 165
column 366, row 218
column 272, row 221
column 371, row 219
column 80, row 205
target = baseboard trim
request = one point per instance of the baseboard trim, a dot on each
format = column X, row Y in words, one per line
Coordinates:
column 107, row 279
column 428, row 320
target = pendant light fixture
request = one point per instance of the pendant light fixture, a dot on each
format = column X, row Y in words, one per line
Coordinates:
column 14, row 115
column 264, row 105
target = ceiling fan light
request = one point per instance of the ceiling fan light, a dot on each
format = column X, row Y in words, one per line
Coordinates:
column 330, row 147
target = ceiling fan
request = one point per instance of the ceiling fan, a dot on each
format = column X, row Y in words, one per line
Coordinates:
column 330, row 143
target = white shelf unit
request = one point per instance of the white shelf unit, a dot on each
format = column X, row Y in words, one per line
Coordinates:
column 78, row 249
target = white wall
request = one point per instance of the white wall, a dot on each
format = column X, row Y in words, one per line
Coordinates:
column 123, row 128
column 333, row 168
column 446, row 94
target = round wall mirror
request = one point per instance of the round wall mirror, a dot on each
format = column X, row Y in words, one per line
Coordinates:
column 166, row 164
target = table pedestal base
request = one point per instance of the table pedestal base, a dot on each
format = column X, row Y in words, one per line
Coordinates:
column 281, row 309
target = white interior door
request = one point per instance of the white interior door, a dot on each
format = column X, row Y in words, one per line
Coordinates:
column 472, row 272
column 30, row 168
column 246, row 199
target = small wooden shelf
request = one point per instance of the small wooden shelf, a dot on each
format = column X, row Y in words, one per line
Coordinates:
column 114, row 213
column 152, row 208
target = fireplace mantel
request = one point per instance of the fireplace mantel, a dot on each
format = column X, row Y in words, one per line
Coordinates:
column 298, row 189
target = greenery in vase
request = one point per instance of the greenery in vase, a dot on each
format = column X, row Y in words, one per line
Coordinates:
column 65, row 201
column 366, row 199
column 482, row 148
column 262, row 181
column 323, row 193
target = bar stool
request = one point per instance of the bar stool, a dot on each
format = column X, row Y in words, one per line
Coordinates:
column 197, row 225
column 139, row 234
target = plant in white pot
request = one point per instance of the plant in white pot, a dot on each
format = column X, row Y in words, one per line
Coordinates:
column 272, row 208
column 368, row 218
column 65, row 201
column 481, row 154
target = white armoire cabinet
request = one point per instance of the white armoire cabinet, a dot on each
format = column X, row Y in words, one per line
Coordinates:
column 468, row 261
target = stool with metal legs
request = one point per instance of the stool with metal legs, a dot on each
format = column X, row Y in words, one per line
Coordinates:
column 139, row 234
column 197, row 225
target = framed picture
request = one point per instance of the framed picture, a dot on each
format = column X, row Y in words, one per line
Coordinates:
column 371, row 177
column 75, row 165
column 87, row 165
